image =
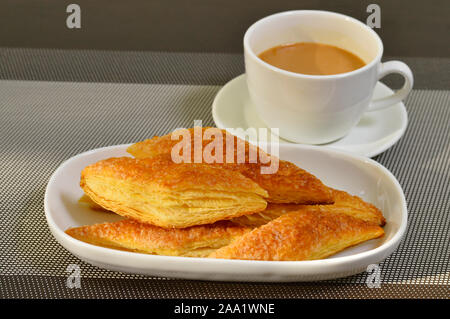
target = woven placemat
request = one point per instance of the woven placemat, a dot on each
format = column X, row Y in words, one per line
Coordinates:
column 45, row 123
column 169, row 67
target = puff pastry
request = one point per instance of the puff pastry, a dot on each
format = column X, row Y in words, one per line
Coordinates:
column 343, row 203
column 86, row 200
column 289, row 184
column 129, row 235
column 165, row 194
column 300, row 235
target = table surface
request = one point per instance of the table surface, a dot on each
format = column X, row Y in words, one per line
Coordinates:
column 56, row 104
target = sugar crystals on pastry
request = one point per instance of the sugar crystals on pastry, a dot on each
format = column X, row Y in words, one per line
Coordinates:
column 356, row 207
column 300, row 235
column 130, row 235
column 288, row 184
column 160, row 192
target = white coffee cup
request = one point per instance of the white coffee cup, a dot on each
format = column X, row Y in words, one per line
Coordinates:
column 317, row 109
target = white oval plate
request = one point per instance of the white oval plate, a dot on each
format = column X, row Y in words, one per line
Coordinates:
column 375, row 133
column 357, row 175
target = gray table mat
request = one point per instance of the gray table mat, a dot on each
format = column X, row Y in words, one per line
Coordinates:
column 45, row 123
column 169, row 67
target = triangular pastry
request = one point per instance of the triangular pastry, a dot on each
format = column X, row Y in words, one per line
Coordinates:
column 166, row 194
column 300, row 235
column 130, row 235
column 343, row 203
column 289, row 184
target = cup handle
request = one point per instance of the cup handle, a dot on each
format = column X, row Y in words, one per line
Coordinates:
column 388, row 68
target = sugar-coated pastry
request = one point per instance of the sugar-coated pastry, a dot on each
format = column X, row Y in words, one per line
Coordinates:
column 300, row 235
column 356, row 207
column 130, row 235
column 271, row 212
column 286, row 184
column 343, row 203
column 163, row 193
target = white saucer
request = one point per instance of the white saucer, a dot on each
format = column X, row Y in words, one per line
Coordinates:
column 376, row 132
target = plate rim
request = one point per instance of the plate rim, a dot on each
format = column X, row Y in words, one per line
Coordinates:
column 376, row 151
column 379, row 253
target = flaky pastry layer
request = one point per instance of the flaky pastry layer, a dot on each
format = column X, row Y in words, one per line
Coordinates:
column 343, row 203
column 130, row 235
column 162, row 193
column 289, row 184
column 300, row 235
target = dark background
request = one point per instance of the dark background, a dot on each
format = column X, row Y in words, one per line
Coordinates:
column 414, row 28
